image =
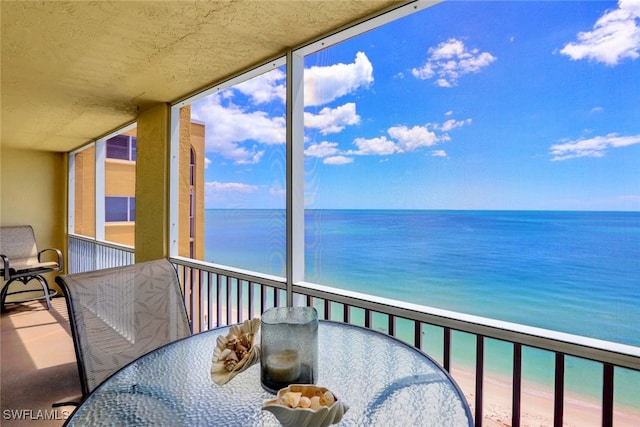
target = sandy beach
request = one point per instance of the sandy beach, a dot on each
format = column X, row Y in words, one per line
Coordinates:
column 537, row 404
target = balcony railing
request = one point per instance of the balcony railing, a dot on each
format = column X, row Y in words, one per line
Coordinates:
column 86, row 254
column 216, row 296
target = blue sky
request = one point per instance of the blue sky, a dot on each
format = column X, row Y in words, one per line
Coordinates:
column 465, row 105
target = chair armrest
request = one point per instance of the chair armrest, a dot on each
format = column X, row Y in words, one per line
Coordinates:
column 6, row 275
column 59, row 255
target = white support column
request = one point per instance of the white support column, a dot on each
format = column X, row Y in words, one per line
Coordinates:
column 71, row 193
column 101, row 155
column 174, row 181
column 295, row 171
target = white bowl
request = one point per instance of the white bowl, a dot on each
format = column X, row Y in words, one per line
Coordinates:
column 304, row 417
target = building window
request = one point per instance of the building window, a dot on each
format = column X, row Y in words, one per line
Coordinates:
column 132, row 209
column 119, row 209
column 122, row 147
column 192, row 169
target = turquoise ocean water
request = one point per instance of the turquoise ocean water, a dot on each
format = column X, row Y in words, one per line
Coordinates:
column 575, row 272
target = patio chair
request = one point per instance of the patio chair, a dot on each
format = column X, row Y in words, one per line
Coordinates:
column 119, row 314
column 22, row 262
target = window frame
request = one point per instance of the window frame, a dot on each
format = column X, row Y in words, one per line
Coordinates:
column 294, row 181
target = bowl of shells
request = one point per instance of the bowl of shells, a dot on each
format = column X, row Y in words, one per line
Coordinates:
column 306, row 405
column 235, row 352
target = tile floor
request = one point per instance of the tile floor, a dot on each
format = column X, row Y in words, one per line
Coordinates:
column 38, row 364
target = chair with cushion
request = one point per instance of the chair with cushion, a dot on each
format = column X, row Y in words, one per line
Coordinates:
column 22, row 262
column 119, row 314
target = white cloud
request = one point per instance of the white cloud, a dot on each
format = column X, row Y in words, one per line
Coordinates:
column 404, row 139
column 592, row 147
column 266, row 87
column 207, row 162
column 450, row 60
column 400, row 139
column 323, row 149
column 227, row 127
column 615, row 36
column 452, row 124
column 375, row 146
column 337, row 160
column 332, row 120
column 325, row 84
column 414, row 138
column 229, row 187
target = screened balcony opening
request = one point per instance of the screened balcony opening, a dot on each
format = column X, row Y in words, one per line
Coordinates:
column 459, row 176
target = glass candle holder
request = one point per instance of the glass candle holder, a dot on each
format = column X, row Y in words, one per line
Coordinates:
column 288, row 347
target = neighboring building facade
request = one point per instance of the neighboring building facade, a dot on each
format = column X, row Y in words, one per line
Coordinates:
column 120, row 187
column 191, row 185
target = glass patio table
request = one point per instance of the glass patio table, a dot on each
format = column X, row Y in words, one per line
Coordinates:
column 384, row 381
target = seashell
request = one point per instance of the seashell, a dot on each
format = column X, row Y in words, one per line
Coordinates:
column 235, row 352
column 315, row 402
column 314, row 415
column 247, row 339
column 304, row 402
column 290, row 399
column 327, row 398
column 225, row 353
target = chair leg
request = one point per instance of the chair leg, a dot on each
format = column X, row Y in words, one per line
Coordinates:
column 3, row 294
column 25, row 280
column 45, row 289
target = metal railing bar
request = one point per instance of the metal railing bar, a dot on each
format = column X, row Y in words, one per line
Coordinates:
column 558, row 400
column 479, row 379
column 200, row 299
column 194, row 300
column 607, row 395
column 276, row 297
column 516, row 386
column 250, row 297
column 446, row 349
column 229, row 299
column 240, row 308
column 185, row 291
column 219, row 298
column 209, row 301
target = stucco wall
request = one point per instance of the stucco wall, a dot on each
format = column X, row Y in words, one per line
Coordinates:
column 32, row 191
column 152, row 194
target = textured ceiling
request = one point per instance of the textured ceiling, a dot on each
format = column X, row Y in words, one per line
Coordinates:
column 75, row 70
